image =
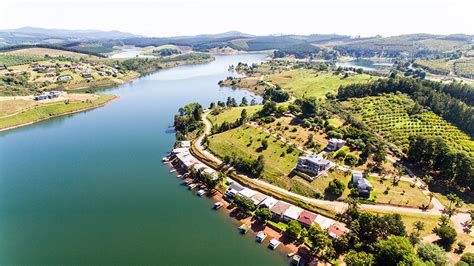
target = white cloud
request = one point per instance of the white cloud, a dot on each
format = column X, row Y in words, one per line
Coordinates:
column 186, row 17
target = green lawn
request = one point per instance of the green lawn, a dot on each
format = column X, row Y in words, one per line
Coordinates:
column 245, row 141
column 431, row 220
column 43, row 112
column 231, row 114
column 401, row 194
column 304, row 82
column 8, row 107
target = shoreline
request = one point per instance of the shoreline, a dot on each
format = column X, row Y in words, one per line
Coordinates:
column 115, row 97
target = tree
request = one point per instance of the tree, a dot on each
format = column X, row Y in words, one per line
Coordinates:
column 336, row 187
column 318, row 238
column 263, row 214
column 243, row 116
column 391, row 224
column 447, row 236
column 419, row 226
column 354, row 258
column 308, row 106
column 294, row 229
column 244, row 203
column 244, row 102
column 468, row 258
column 429, row 252
column 394, row 251
column 253, row 102
column 264, row 144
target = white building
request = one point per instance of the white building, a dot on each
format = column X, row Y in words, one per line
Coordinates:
column 335, row 144
column 292, row 213
column 313, row 164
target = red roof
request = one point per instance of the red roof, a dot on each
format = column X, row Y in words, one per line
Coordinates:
column 307, row 218
column 337, row 230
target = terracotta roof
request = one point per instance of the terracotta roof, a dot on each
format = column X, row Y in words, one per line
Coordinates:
column 307, row 218
column 337, row 230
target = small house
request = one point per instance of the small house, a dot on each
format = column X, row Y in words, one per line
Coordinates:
column 233, row 190
column 279, row 209
column 64, row 78
column 258, row 197
column 3, row 67
column 335, row 144
column 337, row 230
column 313, row 164
column 323, row 222
column 87, row 76
column 292, row 213
column 247, row 193
column 306, row 218
column 362, row 184
column 268, row 202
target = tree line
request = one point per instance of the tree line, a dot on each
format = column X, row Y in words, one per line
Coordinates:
column 451, row 167
column 188, row 120
column 438, row 98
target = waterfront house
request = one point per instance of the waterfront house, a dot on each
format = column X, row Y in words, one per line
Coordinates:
column 362, row 184
column 48, row 95
column 185, row 144
column 233, row 190
column 257, row 198
column 313, row 164
column 87, row 76
column 279, row 209
column 323, row 222
column 292, row 213
column 247, row 193
column 268, row 202
column 335, row 144
column 306, row 218
column 337, row 230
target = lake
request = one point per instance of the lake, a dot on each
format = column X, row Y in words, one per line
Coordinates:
column 365, row 64
column 90, row 188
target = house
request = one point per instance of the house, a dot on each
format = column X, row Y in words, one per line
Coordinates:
column 292, row 213
column 185, row 144
column 306, row 218
column 3, row 67
column 64, row 78
column 313, row 164
column 40, row 69
column 87, row 76
column 268, row 202
column 257, row 198
column 50, row 74
column 362, row 184
column 233, row 190
column 15, row 72
column 323, row 222
column 335, row 144
column 47, row 95
column 337, row 230
column 279, row 209
column 247, row 193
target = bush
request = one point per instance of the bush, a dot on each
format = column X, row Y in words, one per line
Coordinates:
column 447, row 236
column 336, row 187
column 263, row 214
column 429, row 252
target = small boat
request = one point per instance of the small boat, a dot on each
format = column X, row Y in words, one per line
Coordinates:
column 179, row 176
column 274, row 243
column 243, row 229
column 296, row 260
column 201, row 192
column 165, row 159
column 261, row 236
column 192, row 186
column 172, row 170
column 217, row 205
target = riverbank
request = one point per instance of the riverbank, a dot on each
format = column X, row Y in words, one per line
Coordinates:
column 44, row 112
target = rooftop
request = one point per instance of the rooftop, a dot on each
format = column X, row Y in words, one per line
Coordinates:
column 307, row 217
column 280, row 207
column 293, row 212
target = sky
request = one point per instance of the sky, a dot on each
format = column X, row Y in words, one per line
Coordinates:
column 160, row 18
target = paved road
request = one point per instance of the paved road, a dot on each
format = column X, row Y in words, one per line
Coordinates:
column 337, row 205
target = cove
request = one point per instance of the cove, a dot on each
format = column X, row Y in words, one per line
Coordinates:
column 90, row 188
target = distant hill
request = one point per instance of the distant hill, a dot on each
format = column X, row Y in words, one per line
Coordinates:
column 32, row 35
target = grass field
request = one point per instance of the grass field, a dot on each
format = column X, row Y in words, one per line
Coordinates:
column 430, row 220
column 232, row 114
column 438, row 66
column 47, row 51
column 388, row 115
column 47, row 111
column 304, row 82
column 245, row 141
column 8, row 107
column 401, row 194
column 17, row 59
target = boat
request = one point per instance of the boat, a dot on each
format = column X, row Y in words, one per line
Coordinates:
column 179, row 176
column 261, row 236
column 201, row 192
column 165, row 159
column 296, row 260
column 192, row 186
column 217, row 205
column 244, row 229
column 274, row 243
column 172, row 170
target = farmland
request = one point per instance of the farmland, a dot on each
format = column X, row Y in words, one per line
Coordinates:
column 231, row 114
column 396, row 118
column 464, row 68
column 47, row 52
column 17, row 59
column 438, row 66
column 308, row 83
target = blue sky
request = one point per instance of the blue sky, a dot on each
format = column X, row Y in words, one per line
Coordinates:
column 186, row 17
